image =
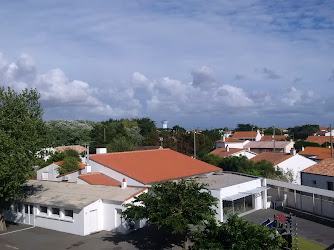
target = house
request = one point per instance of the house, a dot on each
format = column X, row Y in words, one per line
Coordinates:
column 320, row 175
column 51, row 173
column 269, row 146
column 236, row 193
column 224, row 152
column 231, row 142
column 74, row 208
column 139, row 168
column 247, row 135
column 287, row 162
column 316, row 153
column 320, row 139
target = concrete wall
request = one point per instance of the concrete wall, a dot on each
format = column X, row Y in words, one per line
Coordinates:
column 72, row 177
column 321, row 180
column 51, row 170
column 296, row 164
column 245, row 153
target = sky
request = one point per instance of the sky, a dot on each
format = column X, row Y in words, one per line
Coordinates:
column 204, row 64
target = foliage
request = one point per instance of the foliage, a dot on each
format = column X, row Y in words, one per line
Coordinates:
column 178, row 130
column 212, row 159
column 69, row 164
column 72, row 153
column 302, row 132
column 22, row 135
column 269, row 131
column 237, row 233
column 282, row 175
column 246, row 127
column 241, row 164
column 63, row 132
column 120, row 144
column 301, row 143
column 175, row 205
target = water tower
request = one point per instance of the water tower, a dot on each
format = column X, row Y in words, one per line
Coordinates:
column 164, row 124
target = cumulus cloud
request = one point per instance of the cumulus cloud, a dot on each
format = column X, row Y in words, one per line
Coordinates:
column 204, row 78
column 294, row 97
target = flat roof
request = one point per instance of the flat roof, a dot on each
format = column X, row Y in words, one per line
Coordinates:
column 73, row 195
column 222, row 179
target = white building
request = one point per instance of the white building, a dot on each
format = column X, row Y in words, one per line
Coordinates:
column 74, row 208
column 247, row 135
column 224, row 152
column 287, row 162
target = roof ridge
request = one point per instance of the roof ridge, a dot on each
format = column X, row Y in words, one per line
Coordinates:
column 134, row 151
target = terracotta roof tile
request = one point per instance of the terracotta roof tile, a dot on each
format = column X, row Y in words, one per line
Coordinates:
column 325, row 167
column 222, row 151
column 243, row 134
column 150, row 166
column 230, row 139
column 98, row 179
column 77, row 148
column 274, row 158
column 319, row 139
column 321, row 153
column 270, row 138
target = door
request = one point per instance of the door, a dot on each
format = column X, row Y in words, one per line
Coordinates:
column 93, row 221
column 118, row 219
column 45, row 176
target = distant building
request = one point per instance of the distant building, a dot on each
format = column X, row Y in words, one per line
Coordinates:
column 224, row 152
column 316, row 153
column 247, row 135
column 319, row 139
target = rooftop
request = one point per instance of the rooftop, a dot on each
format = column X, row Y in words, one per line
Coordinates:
column 149, row 166
column 77, row 148
column 73, row 195
column 270, row 138
column 223, row 153
column 98, row 179
column 274, row 158
column 324, row 167
column 245, row 134
column 319, row 139
column 267, row 144
column 319, row 152
column 222, row 179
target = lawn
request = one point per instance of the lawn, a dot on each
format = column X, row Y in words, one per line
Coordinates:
column 305, row 244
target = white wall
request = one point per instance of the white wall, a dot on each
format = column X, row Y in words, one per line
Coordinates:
column 51, row 170
column 296, row 164
column 245, row 153
column 72, row 177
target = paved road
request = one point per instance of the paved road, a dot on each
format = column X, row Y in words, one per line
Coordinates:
column 40, row 239
column 312, row 231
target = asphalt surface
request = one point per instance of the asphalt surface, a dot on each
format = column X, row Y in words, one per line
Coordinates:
column 309, row 230
column 41, row 239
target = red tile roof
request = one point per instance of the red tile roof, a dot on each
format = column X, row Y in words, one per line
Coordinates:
column 270, row 138
column 325, row 167
column 230, row 139
column 322, row 129
column 222, row 151
column 77, row 148
column 245, row 134
column 150, row 166
column 81, row 166
column 322, row 153
column 319, row 139
column 98, row 179
column 274, row 158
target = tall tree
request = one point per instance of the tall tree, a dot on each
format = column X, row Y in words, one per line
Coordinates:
column 175, row 205
column 22, row 134
column 246, row 127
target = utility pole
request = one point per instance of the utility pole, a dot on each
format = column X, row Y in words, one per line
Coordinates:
column 274, row 137
column 104, row 134
column 194, row 143
column 331, row 139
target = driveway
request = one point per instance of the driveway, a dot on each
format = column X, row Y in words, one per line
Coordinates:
column 40, row 238
column 312, row 231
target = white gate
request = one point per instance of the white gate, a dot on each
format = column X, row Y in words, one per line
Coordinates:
column 93, row 221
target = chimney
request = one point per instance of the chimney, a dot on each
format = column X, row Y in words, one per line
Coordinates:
column 303, row 148
column 293, row 151
column 227, row 148
column 100, row 151
column 124, row 184
column 223, row 138
column 88, row 168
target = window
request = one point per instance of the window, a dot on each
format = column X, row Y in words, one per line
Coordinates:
column 31, row 209
column 68, row 213
column 55, row 211
column 26, row 208
column 314, row 182
column 43, row 209
column 330, row 185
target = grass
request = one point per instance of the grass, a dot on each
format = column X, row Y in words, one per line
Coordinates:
column 306, row 245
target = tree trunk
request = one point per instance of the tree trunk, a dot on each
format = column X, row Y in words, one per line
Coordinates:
column 186, row 242
column 2, row 219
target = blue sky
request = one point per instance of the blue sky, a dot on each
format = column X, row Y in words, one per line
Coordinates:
column 194, row 63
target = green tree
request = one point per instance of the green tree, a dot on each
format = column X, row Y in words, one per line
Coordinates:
column 69, row 164
column 22, row 135
column 302, row 132
column 301, row 143
column 212, row 159
column 269, row 131
column 237, row 233
column 246, row 127
column 175, row 205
